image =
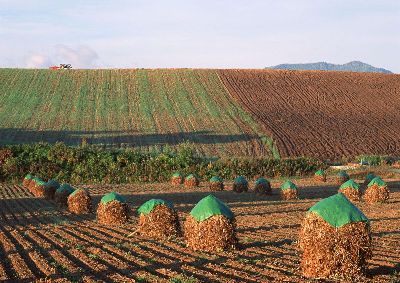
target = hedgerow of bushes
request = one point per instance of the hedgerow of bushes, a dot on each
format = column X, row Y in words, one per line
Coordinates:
column 90, row 164
column 376, row 160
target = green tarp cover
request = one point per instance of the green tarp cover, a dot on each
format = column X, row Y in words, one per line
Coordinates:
column 28, row 177
column 149, row 205
column 337, row 210
column 343, row 174
column 377, row 181
column 191, row 176
column 53, row 184
column 177, row 174
column 262, row 181
column 112, row 196
column 288, row 185
column 350, row 184
column 65, row 188
column 320, row 172
column 370, row 177
column 39, row 181
column 240, row 180
column 216, row 179
column 76, row 191
column 208, row 207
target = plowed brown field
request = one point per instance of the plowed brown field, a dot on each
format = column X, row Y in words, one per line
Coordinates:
column 322, row 114
column 39, row 241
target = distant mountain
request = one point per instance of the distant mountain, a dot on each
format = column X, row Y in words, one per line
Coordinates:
column 353, row 66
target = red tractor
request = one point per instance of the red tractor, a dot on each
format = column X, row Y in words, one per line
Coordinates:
column 62, row 66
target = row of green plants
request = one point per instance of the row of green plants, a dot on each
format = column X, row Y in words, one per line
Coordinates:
column 90, row 164
column 376, row 160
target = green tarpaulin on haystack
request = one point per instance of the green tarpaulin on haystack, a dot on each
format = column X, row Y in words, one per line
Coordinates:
column 191, row 176
column 337, row 210
column 343, row 174
column 77, row 191
column 149, row 205
column 177, row 174
column 112, row 196
column 320, row 173
column 377, row 181
column 262, row 181
column 370, row 177
column 216, row 179
column 288, row 185
column 28, row 177
column 53, row 184
column 39, row 181
column 210, row 206
column 65, row 188
column 350, row 184
column 240, row 180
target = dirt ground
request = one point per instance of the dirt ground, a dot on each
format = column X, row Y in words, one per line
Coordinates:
column 39, row 241
column 322, row 114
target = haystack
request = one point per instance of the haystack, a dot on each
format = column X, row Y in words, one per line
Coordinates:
column 368, row 179
column 62, row 193
column 342, row 177
column 262, row 187
column 320, row 176
column 32, row 184
column 240, row 184
column 158, row 220
column 191, row 181
column 377, row 191
column 27, row 181
column 351, row 190
column 80, row 202
column 211, row 226
column 51, row 188
column 38, row 187
column 335, row 240
column 177, row 179
column 289, row 190
column 216, row 184
column 112, row 209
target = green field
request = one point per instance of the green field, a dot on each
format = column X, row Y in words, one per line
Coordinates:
column 146, row 109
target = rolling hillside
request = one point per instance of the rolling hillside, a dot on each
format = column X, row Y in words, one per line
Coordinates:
column 322, row 114
column 147, row 109
column 353, row 66
column 223, row 112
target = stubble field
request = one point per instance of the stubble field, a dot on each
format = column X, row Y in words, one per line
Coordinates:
column 39, row 241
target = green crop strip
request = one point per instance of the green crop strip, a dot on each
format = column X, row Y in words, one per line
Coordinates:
column 147, row 109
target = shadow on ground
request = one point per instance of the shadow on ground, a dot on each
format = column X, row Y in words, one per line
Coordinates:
column 116, row 138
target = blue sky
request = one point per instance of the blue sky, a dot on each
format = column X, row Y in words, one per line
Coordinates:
column 204, row 33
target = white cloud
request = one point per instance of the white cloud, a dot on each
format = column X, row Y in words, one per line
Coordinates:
column 79, row 57
column 38, row 61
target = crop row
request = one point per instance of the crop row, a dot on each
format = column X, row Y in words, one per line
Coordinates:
column 145, row 109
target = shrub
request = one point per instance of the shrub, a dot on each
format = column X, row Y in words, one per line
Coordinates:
column 92, row 164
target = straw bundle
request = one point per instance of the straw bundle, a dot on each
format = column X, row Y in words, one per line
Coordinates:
column 191, row 181
column 331, row 253
column 217, row 233
column 80, row 202
column 262, row 187
column 161, row 223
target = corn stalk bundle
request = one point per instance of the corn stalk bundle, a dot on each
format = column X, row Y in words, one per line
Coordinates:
column 80, row 202
column 211, row 226
column 158, row 220
column 335, row 240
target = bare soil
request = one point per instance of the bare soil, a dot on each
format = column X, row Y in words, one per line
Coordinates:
column 41, row 241
column 322, row 114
